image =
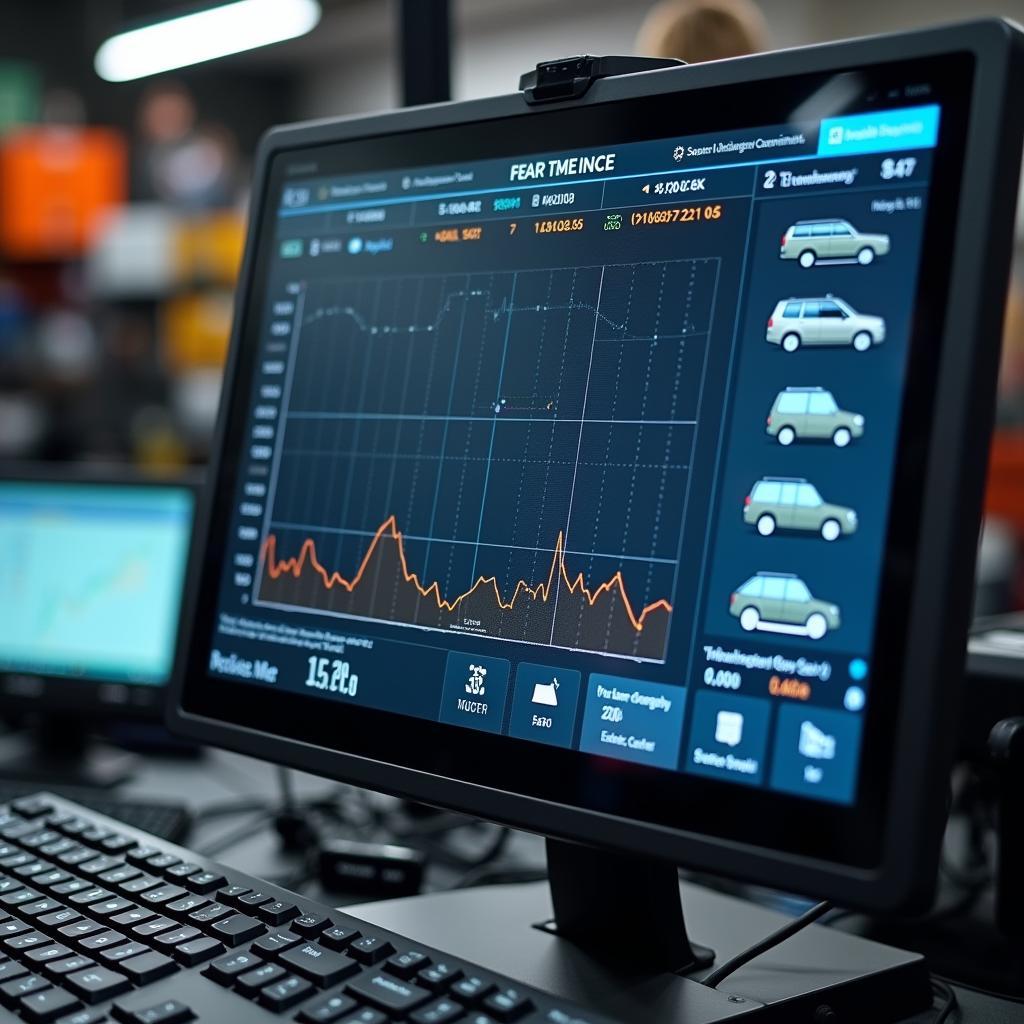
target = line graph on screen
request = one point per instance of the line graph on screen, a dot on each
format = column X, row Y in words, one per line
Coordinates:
column 498, row 454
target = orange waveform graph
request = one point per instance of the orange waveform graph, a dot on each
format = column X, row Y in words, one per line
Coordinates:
column 388, row 530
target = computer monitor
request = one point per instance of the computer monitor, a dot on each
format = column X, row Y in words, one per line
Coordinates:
column 90, row 596
column 612, row 467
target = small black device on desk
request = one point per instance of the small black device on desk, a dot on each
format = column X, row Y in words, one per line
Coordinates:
column 90, row 597
column 612, row 468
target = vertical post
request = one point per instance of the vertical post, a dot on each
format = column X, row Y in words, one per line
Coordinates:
column 424, row 31
column 622, row 909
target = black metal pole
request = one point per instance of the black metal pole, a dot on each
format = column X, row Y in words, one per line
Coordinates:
column 424, row 31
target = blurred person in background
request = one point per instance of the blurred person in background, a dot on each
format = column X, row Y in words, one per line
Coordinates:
column 702, row 30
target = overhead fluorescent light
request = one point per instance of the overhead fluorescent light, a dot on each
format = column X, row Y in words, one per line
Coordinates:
column 203, row 35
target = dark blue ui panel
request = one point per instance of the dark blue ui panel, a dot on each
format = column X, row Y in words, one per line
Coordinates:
column 587, row 449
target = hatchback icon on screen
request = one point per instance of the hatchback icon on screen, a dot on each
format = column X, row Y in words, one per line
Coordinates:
column 780, row 602
column 827, row 321
column 812, row 414
column 808, row 241
column 793, row 503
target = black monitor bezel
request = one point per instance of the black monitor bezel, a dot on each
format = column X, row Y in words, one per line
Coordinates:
column 90, row 697
column 860, row 854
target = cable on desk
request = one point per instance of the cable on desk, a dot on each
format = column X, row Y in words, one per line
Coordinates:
column 945, row 992
column 716, row 977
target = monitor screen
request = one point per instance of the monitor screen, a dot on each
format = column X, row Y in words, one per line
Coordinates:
column 578, row 455
column 90, row 585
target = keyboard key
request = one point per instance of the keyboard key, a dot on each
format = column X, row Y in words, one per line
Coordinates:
column 284, row 994
column 367, row 1015
column 147, row 967
column 95, row 835
column 405, row 965
column 254, row 899
column 115, row 876
column 33, row 868
column 102, row 940
column 15, row 860
column 58, row 968
column 138, row 885
column 370, row 949
column 59, row 845
column 39, row 907
column 32, row 806
column 439, row 977
column 148, row 929
column 272, row 945
column 310, row 925
column 10, row 970
column 140, row 854
column 98, row 865
column 225, row 970
column 339, row 937
column 9, row 885
column 207, row 915
column 231, row 894
column 186, row 904
column 43, row 1007
column 76, row 855
column 182, row 870
column 87, row 896
column 161, row 894
column 72, row 885
column 198, row 951
column 508, row 1004
column 22, row 943
column 59, row 918
column 170, row 1011
column 44, row 954
column 123, row 952
column 19, row 896
column 204, row 882
column 251, row 982
column 233, row 931
column 162, row 861
column 112, row 907
column 86, row 1016
column 472, row 989
column 49, row 879
column 439, row 1012
column 175, row 937
column 117, row 844
column 12, row 927
column 12, row 991
column 320, row 966
column 132, row 917
column 95, row 984
column 277, row 912
column 388, row 993
column 327, row 1009
column 38, row 839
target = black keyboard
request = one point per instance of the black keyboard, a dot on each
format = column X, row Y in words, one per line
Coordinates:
column 101, row 922
column 160, row 818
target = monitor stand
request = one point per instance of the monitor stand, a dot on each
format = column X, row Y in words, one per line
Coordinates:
column 600, row 935
column 58, row 750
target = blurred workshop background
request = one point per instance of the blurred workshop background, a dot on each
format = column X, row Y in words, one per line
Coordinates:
column 123, row 202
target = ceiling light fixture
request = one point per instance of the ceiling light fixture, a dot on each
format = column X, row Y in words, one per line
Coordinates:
column 203, row 35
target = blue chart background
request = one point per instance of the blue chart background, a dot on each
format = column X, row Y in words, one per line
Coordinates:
column 393, row 412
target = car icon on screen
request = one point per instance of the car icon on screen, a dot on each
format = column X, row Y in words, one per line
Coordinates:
column 812, row 414
column 780, row 602
column 793, row 503
column 820, row 322
column 809, row 241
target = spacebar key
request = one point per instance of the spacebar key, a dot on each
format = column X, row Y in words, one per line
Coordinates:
column 389, row 993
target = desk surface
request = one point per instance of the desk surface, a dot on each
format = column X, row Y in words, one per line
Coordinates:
column 219, row 777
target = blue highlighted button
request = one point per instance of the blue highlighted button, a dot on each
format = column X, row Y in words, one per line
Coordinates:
column 475, row 689
column 544, row 704
column 633, row 720
column 884, row 131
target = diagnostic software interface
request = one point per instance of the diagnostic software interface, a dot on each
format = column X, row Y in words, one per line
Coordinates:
column 91, row 578
column 592, row 448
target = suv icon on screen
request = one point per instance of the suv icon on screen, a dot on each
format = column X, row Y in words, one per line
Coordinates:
column 820, row 322
column 791, row 503
column 780, row 602
column 808, row 241
column 811, row 414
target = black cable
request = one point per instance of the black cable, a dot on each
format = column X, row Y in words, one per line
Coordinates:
column 716, row 977
column 946, row 993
